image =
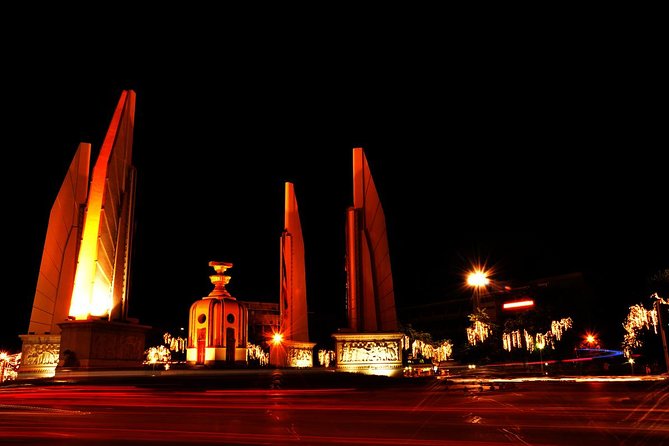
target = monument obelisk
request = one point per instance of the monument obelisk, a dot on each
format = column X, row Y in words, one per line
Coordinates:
column 80, row 318
column 371, row 343
column 291, row 346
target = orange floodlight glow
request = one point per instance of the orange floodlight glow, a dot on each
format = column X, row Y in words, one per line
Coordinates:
column 277, row 338
column 518, row 304
column 84, row 280
column 91, row 295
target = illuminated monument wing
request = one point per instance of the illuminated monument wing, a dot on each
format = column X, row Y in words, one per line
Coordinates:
column 371, row 343
column 293, row 348
column 86, row 262
column 56, row 274
column 101, row 280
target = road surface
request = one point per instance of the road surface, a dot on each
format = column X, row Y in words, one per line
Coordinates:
column 293, row 407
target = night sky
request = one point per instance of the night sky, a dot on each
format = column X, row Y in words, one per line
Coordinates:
column 536, row 173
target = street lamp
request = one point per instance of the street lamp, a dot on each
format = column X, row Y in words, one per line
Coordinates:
column 589, row 341
column 477, row 279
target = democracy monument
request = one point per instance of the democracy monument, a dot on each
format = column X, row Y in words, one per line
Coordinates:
column 79, row 319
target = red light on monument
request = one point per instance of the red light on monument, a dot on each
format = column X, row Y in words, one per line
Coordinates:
column 518, row 304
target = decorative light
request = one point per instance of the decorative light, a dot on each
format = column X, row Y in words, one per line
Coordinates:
column 256, row 353
column 638, row 318
column 9, row 365
column 158, row 355
column 516, row 339
column 529, row 341
column 175, row 344
column 326, row 357
column 478, row 332
column 559, row 327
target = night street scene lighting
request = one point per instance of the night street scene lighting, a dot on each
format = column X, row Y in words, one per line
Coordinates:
column 433, row 274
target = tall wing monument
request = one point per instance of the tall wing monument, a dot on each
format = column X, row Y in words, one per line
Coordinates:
column 291, row 346
column 79, row 317
column 371, row 343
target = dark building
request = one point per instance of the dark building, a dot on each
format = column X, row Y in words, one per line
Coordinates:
column 263, row 319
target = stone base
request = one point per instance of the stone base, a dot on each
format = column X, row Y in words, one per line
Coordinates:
column 369, row 353
column 297, row 354
column 217, row 357
column 39, row 356
column 100, row 344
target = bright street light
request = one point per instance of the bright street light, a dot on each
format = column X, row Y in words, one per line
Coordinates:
column 477, row 278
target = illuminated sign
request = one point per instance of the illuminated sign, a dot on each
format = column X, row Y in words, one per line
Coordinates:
column 518, row 304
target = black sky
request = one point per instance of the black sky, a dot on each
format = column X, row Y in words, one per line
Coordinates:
column 539, row 169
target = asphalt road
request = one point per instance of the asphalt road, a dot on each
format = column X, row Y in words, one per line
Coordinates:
column 295, row 407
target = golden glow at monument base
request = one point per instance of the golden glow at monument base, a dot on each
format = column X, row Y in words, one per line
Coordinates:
column 369, row 353
column 90, row 296
column 40, row 355
column 296, row 354
column 301, row 356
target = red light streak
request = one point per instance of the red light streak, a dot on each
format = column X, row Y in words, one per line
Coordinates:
column 518, row 304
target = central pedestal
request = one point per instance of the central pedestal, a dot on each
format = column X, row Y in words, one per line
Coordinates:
column 101, row 344
column 369, row 353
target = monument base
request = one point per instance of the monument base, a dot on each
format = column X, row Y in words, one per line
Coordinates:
column 369, row 353
column 217, row 357
column 297, row 354
column 39, row 356
column 101, row 344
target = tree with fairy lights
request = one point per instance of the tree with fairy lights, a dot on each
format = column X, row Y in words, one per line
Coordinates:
column 483, row 344
column 420, row 348
column 642, row 341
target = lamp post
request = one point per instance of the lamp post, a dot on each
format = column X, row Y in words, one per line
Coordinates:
column 540, row 346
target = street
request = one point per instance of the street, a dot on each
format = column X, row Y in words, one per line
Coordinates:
column 291, row 406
